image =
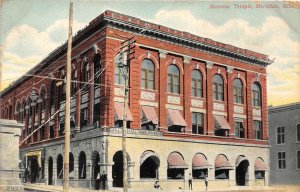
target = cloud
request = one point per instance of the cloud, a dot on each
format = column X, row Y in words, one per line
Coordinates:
column 25, row 46
column 272, row 37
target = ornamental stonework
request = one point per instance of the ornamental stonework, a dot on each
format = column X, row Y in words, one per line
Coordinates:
column 148, row 96
column 256, row 112
column 118, row 91
column 238, row 109
column 219, row 106
column 196, row 103
column 174, row 100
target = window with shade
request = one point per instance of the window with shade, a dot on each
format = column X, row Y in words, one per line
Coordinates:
column 256, row 95
column 239, row 128
column 196, row 83
column 238, row 91
column 197, row 123
column 147, row 81
column 173, row 79
column 257, row 130
column 218, row 88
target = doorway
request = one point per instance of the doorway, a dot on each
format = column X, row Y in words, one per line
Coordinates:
column 50, row 171
column 241, row 174
column 33, row 168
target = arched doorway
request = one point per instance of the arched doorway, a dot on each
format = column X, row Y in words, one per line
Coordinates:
column 241, row 171
column 50, row 171
column 71, row 166
column 149, row 165
column 95, row 168
column 60, row 163
column 117, row 169
column 82, row 165
column 33, row 166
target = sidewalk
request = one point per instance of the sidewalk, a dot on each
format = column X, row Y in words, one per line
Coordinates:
column 51, row 188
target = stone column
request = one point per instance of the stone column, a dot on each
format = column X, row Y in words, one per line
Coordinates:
column 76, row 171
column 54, row 171
column 46, row 171
column 10, row 132
column 89, row 172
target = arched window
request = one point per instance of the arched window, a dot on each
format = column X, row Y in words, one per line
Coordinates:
column 52, row 93
column 119, row 78
column 149, row 165
column 97, row 67
column 256, row 95
column 82, row 165
column 23, row 114
column 86, row 72
column 176, row 166
column 60, row 171
column 43, row 97
column 218, row 88
column 18, row 113
column 147, row 81
column 238, row 91
column 173, row 79
column 196, row 83
column 74, row 82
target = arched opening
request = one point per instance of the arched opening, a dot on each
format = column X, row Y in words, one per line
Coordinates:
column 117, row 169
column 200, row 166
column 59, row 166
column 241, row 171
column 259, row 168
column 95, row 168
column 176, row 166
column 149, row 165
column 82, row 165
column 33, row 166
column 71, row 166
column 50, row 171
column 222, row 167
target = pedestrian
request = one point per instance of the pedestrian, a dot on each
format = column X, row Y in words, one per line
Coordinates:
column 190, row 181
column 156, row 185
column 103, row 180
column 97, row 181
column 206, row 182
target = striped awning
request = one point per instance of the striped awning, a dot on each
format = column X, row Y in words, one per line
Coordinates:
column 149, row 115
column 222, row 163
column 175, row 118
column 200, row 162
column 176, row 161
column 260, row 165
column 119, row 111
column 221, row 122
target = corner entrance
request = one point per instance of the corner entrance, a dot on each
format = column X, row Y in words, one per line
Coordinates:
column 117, row 169
column 241, row 174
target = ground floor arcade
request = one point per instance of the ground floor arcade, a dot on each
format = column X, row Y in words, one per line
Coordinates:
column 150, row 157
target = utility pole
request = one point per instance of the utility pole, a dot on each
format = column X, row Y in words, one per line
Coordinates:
column 68, row 100
column 127, row 53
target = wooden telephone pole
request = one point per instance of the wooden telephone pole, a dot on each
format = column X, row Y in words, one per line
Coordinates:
column 68, row 100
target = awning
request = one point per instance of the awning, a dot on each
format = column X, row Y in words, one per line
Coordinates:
column 221, row 122
column 222, row 163
column 149, row 154
column 149, row 115
column 119, row 109
column 260, row 165
column 176, row 161
column 240, row 159
column 175, row 118
column 200, row 162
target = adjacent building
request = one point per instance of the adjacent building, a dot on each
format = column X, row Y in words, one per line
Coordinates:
column 284, row 139
column 195, row 106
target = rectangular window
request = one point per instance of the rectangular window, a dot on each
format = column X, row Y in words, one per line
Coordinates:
column 281, row 160
column 257, row 130
column 280, row 135
column 197, row 123
column 239, row 129
column 298, row 132
column 84, row 117
column 298, row 159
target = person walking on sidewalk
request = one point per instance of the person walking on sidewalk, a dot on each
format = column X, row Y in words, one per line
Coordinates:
column 206, row 182
column 190, row 181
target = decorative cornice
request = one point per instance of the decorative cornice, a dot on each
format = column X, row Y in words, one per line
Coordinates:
column 209, row 64
column 230, row 69
column 186, row 60
column 162, row 54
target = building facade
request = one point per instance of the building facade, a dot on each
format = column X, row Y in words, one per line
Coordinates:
column 284, row 139
column 195, row 106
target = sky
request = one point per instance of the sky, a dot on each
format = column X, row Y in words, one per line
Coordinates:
column 31, row 29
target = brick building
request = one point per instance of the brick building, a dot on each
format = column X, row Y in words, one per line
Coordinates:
column 195, row 106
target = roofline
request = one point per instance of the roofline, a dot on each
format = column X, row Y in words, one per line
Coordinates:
column 286, row 107
column 130, row 22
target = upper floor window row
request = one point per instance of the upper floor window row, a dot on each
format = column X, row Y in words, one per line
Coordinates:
column 148, row 82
